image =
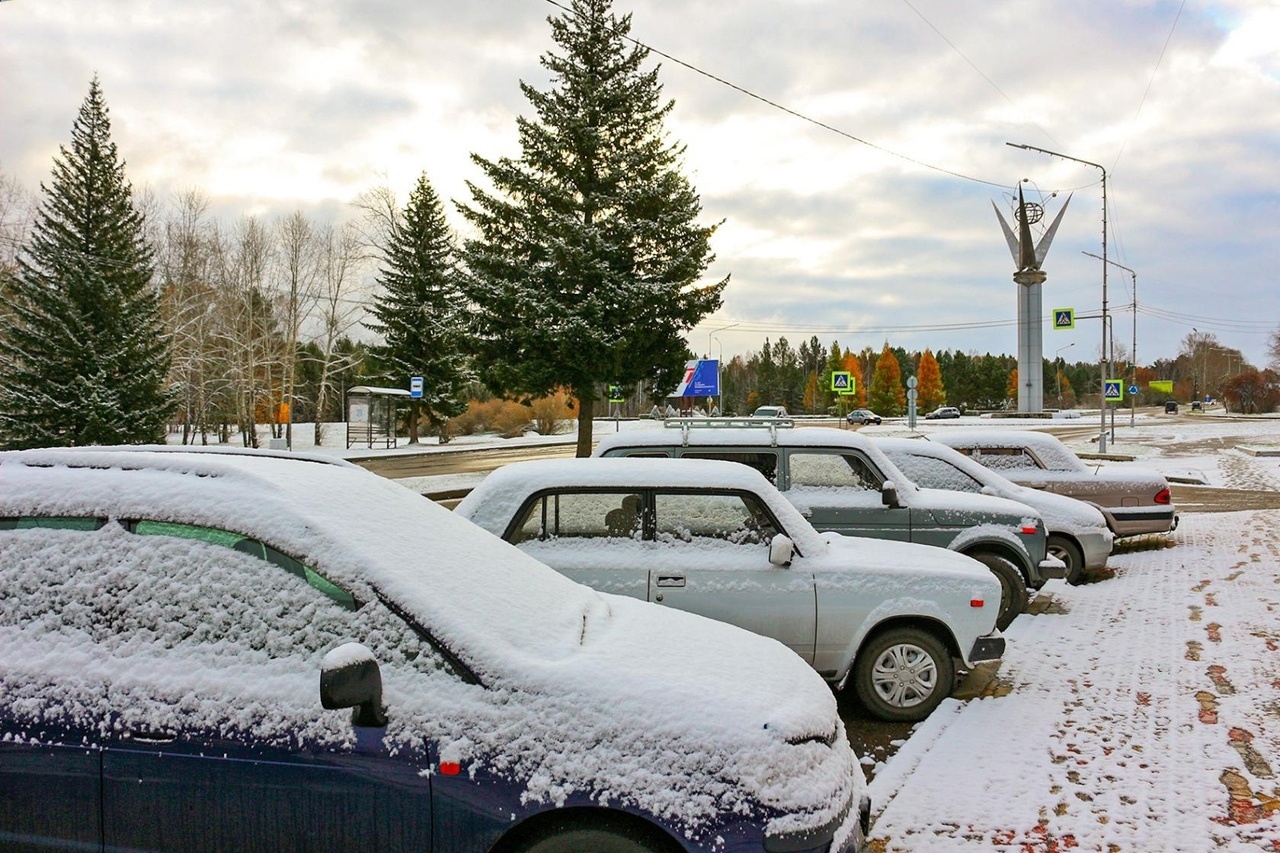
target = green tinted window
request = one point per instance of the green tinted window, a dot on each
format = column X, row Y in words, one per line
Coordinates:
column 252, row 547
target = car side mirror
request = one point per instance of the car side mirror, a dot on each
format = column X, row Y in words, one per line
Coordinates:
column 781, row 550
column 889, row 495
column 987, row 490
column 350, row 678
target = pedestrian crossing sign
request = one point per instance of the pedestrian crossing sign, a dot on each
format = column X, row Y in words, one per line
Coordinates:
column 615, row 394
column 1064, row 318
column 1114, row 391
column 842, row 382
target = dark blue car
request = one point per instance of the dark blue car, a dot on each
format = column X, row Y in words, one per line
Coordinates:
column 233, row 651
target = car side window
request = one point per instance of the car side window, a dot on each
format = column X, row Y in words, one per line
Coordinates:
column 934, row 473
column 1006, row 458
column 832, row 471
column 581, row 515
column 52, row 523
column 705, row 517
column 766, row 462
column 254, row 548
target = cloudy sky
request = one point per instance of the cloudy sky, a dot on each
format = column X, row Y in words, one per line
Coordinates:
column 860, row 213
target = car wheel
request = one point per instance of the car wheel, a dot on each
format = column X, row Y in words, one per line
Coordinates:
column 1068, row 552
column 903, row 674
column 607, row 838
column 1013, row 587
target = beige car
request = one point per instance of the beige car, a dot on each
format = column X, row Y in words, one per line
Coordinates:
column 1133, row 499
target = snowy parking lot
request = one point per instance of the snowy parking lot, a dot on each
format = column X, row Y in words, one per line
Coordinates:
column 1140, row 712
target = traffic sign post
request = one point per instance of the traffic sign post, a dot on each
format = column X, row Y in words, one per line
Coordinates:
column 1064, row 318
column 1114, row 392
column 842, row 382
column 415, row 387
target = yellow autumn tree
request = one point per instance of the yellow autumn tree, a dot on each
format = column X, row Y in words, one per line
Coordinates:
column 887, row 397
column 930, row 394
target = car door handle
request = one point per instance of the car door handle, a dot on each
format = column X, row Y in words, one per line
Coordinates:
column 670, row 580
column 153, row 737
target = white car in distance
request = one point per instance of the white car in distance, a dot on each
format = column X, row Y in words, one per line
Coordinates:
column 1078, row 533
column 716, row 538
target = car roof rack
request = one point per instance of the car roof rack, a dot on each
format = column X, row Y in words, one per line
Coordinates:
column 685, row 424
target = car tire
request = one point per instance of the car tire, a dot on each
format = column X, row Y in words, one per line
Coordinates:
column 903, row 674
column 1013, row 587
column 608, row 837
column 1068, row 552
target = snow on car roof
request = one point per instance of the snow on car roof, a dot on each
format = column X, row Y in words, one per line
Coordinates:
column 1052, row 452
column 493, row 502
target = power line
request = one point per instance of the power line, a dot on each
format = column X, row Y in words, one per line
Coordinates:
column 794, row 113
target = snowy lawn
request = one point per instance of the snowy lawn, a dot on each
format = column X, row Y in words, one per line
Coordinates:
column 1146, row 718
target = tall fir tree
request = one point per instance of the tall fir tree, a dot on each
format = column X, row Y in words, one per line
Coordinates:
column 586, row 268
column 86, row 354
column 418, row 313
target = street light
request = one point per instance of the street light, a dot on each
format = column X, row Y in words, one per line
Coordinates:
column 1102, row 398
column 719, row 361
column 1133, row 354
column 1057, row 357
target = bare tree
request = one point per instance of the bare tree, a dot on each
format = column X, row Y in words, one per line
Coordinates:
column 298, row 269
column 248, row 330
column 341, row 258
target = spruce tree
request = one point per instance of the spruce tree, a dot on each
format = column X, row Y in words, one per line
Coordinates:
column 585, row 271
column 417, row 313
column 86, row 354
column 887, row 396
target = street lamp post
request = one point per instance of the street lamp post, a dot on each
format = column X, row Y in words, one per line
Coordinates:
column 719, row 361
column 1102, row 397
column 1057, row 360
column 1133, row 354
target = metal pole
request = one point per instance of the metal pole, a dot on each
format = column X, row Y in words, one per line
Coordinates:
column 719, row 364
column 1133, row 355
column 1102, row 397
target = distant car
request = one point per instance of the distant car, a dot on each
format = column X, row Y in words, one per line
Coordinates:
column 943, row 413
column 771, row 412
column 1171, row 407
column 1133, row 499
column 205, row 651
column 717, row 539
column 1195, row 406
column 862, row 416
column 841, row 482
column 1078, row 532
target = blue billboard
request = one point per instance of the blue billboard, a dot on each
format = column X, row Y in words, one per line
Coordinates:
column 701, row 379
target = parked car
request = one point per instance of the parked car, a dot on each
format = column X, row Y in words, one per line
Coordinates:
column 841, row 482
column 771, row 412
column 218, row 651
column 1078, row 532
column 717, row 539
column 1171, row 407
column 1133, row 499
column 943, row 413
column 863, row 417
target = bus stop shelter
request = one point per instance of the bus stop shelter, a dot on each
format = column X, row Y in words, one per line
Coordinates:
column 372, row 414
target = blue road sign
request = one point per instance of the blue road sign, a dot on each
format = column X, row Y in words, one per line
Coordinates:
column 1064, row 318
column 1114, row 392
column 415, row 387
column 1133, row 390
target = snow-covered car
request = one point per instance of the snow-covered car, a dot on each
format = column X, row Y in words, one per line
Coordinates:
column 943, row 413
column 715, row 538
column 1133, row 499
column 862, row 417
column 235, row 651
column 841, row 482
column 1078, row 532
column 771, row 412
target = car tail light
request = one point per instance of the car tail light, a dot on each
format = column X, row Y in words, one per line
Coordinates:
column 1028, row 529
column 977, row 602
column 450, row 768
column 1163, row 497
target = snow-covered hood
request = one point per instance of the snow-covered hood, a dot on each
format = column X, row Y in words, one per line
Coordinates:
column 983, row 508
column 852, row 553
column 1059, row 511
